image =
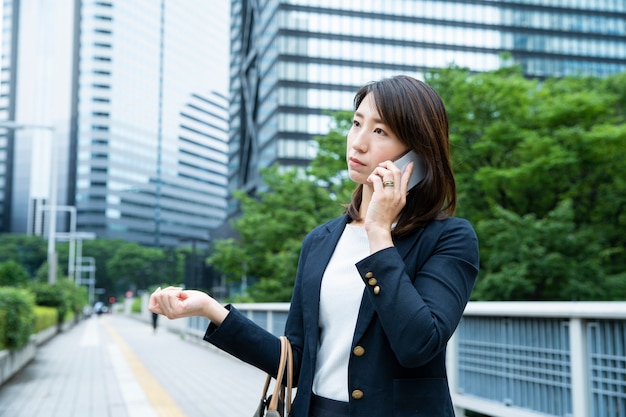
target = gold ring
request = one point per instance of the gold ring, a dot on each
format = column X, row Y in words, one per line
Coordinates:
column 388, row 184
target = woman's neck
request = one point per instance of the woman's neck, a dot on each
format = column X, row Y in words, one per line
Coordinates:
column 366, row 197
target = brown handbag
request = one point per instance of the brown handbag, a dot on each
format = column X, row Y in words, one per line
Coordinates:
column 277, row 405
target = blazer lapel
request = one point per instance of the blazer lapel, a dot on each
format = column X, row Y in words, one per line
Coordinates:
column 317, row 259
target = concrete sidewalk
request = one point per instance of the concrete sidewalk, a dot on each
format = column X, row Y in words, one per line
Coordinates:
column 116, row 366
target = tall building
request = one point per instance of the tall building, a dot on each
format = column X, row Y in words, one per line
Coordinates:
column 134, row 98
column 292, row 60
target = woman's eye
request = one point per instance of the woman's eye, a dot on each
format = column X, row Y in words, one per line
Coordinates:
column 355, row 123
column 379, row 131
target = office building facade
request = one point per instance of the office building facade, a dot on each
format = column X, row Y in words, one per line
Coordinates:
column 136, row 95
column 294, row 60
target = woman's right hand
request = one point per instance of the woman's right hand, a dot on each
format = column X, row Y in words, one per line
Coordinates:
column 175, row 303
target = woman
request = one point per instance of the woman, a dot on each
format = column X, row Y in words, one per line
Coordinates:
column 380, row 290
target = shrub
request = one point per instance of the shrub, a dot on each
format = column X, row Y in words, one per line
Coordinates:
column 50, row 295
column 64, row 295
column 136, row 305
column 45, row 317
column 12, row 274
column 76, row 297
column 70, row 316
column 3, row 329
column 17, row 307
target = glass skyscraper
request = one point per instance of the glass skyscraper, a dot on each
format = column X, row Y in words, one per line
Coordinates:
column 137, row 94
column 293, row 60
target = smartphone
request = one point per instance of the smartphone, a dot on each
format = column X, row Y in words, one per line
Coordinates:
column 419, row 167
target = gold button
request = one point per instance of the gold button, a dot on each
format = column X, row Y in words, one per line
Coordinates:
column 376, row 290
column 372, row 281
column 369, row 275
column 357, row 394
column 358, row 351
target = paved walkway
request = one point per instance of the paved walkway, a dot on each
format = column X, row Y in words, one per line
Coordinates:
column 115, row 366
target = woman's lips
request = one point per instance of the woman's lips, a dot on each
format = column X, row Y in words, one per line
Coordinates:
column 355, row 163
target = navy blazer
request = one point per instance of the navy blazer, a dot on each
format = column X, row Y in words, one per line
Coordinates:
column 414, row 297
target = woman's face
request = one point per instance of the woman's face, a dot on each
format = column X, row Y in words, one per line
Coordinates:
column 370, row 142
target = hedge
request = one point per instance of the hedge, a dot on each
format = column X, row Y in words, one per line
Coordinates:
column 45, row 317
column 3, row 328
column 135, row 307
column 67, row 298
column 17, row 307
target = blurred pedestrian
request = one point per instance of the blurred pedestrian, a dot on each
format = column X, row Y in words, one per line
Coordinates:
column 155, row 319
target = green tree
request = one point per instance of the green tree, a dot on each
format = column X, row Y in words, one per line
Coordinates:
column 552, row 258
column 167, row 265
column 136, row 267
column 12, row 274
column 28, row 251
column 102, row 250
column 540, row 173
column 328, row 169
column 275, row 221
column 271, row 229
column 524, row 151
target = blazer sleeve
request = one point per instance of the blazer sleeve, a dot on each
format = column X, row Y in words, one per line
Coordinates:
column 244, row 339
column 419, row 313
column 249, row 342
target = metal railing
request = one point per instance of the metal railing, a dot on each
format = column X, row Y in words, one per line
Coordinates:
column 563, row 359
column 271, row 316
column 521, row 359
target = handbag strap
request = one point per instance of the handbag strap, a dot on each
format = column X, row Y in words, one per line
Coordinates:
column 289, row 374
column 285, row 362
column 268, row 379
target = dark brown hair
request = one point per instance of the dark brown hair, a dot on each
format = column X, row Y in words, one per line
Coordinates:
column 415, row 113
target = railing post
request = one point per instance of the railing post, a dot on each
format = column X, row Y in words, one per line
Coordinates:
column 270, row 321
column 452, row 365
column 578, row 365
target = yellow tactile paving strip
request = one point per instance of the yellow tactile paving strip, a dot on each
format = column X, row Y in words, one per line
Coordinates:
column 163, row 404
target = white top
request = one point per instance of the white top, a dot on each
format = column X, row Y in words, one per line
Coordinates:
column 340, row 299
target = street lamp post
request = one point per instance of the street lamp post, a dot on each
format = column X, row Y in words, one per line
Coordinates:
column 91, row 281
column 80, row 237
column 52, row 198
